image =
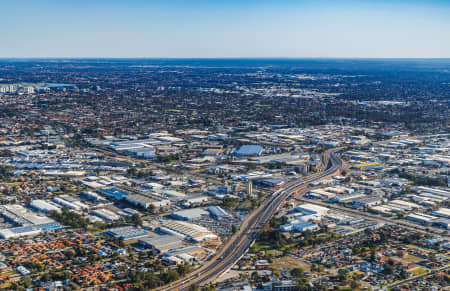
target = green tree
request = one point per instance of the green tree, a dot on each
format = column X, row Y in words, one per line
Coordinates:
column 342, row 274
column 298, row 273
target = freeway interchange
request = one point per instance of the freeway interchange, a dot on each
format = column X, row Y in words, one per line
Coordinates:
column 240, row 242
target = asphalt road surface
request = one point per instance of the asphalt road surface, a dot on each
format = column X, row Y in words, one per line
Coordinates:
column 240, row 242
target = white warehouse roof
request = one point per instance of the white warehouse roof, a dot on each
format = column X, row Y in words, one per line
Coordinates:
column 190, row 214
column 309, row 208
column 44, row 206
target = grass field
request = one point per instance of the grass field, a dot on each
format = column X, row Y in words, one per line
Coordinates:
column 356, row 272
column 12, row 184
column 258, row 246
column 417, row 271
column 175, row 110
column 273, row 252
column 411, row 259
column 290, row 263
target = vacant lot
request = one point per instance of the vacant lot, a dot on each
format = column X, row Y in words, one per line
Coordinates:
column 288, row 262
column 411, row 259
column 417, row 271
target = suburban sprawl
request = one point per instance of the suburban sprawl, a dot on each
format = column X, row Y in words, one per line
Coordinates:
column 224, row 175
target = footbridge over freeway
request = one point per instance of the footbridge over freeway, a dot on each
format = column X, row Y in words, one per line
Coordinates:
column 241, row 241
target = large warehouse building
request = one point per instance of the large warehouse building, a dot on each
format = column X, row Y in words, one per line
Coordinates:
column 309, row 208
column 44, row 206
column 162, row 243
column 189, row 214
column 127, row 233
column 29, row 222
column 187, row 230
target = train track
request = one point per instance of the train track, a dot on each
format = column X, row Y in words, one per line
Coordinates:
column 239, row 243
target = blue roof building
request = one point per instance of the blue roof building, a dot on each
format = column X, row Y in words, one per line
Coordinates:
column 113, row 192
column 249, row 150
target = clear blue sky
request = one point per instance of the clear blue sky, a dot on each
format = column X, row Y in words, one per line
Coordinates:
column 227, row 28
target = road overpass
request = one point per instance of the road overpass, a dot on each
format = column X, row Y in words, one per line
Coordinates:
column 240, row 242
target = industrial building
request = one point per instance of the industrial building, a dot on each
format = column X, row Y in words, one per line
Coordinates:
column 190, row 250
column 28, row 230
column 442, row 212
column 187, row 230
column 22, row 216
column 30, row 223
column 91, row 196
column 195, row 200
column 309, row 208
column 117, row 194
column 145, row 201
column 273, row 182
column 442, row 223
column 162, row 243
column 144, row 148
column 106, row 214
column 189, row 214
column 172, row 260
column 140, row 148
column 434, row 191
column 172, row 194
column 218, row 212
column 127, row 233
column 406, row 206
column 70, row 202
column 298, row 225
column 368, row 201
column 249, row 150
column 421, row 218
column 44, row 206
column 348, row 198
column 320, row 194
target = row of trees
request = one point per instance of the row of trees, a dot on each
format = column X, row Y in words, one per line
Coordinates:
column 69, row 218
column 424, row 180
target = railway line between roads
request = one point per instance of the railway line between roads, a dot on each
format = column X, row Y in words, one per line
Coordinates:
column 400, row 222
column 241, row 241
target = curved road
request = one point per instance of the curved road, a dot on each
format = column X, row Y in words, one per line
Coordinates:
column 240, row 242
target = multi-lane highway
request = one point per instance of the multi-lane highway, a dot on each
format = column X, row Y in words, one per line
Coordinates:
column 239, row 243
